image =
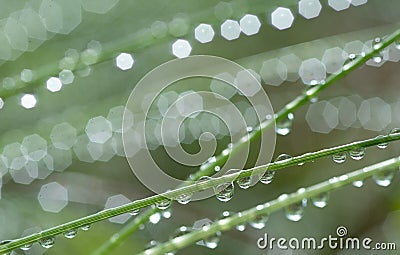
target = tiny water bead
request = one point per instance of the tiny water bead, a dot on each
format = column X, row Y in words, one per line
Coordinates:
column 283, row 127
column 85, row 227
column 182, row 230
column 217, row 168
column 70, row 233
column 394, row 131
column 135, row 212
column 358, row 184
column 224, row 191
column 164, row 204
column 357, row 153
column 267, row 177
column 283, row 158
column 212, row 241
column 184, row 198
column 320, row 200
column 339, row 157
column 384, row 178
column 244, row 182
column 47, row 242
column 226, row 214
column 349, row 61
column 382, row 145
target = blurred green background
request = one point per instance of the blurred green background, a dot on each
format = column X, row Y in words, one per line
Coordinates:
column 365, row 104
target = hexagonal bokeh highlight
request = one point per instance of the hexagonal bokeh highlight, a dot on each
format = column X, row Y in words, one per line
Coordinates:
column 187, row 103
column 159, row 29
column 63, row 136
column 222, row 88
column 339, row 5
column 14, row 157
column 230, row 30
column 34, row 147
column 273, row 72
column 53, row 197
column 309, row 9
column 114, row 201
column 322, row 117
column 115, row 116
column 16, row 34
column 61, row 159
column 250, row 24
column 334, row 59
column 99, row 129
column 53, row 84
column 66, row 76
column 355, row 47
column 312, row 71
column 204, row 33
column 374, row 114
column 247, row 85
column 98, row 6
column 282, row 18
column 292, row 63
column 28, row 101
column 124, row 61
column 347, row 111
column 358, row 2
column 181, row 48
column 80, row 149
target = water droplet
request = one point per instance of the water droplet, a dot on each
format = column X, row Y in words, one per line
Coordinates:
column 267, row 177
column 183, row 230
column 201, row 180
column 376, row 43
column 217, row 168
column 155, row 218
column 294, row 212
column 259, row 222
column 135, row 212
column 164, row 204
column 284, row 126
column 47, row 242
column 394, row 131
column 249, row 129
column 151, row 244
column 357, row 153
column 283, row 157
column 339, row 157
column 244, row 182
column 384, row 178
column 358, row 184
column 212, row 241
column 26, row 247
column 184, row 198
column 70, row 233
column 382, row 145
column 85, row 228
column 349, row 61
column 397, row 44
column 320, row 200
column 226, row 214
column 166, row 214
column 224, row 191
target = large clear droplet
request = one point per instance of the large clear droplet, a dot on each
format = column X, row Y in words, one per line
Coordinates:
column 358, row 184
column 267, row 177
column 339, row 157
column 244, row 182
column 384, row 178
column 163, row 204
column 259, row 222
column 224, row 191
column 47, row 242
column 294, row 212
column 70, row 233
column 184, row 198
column 320, row 200
column 284, row 126
column 382, row 145
column 357, row 153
